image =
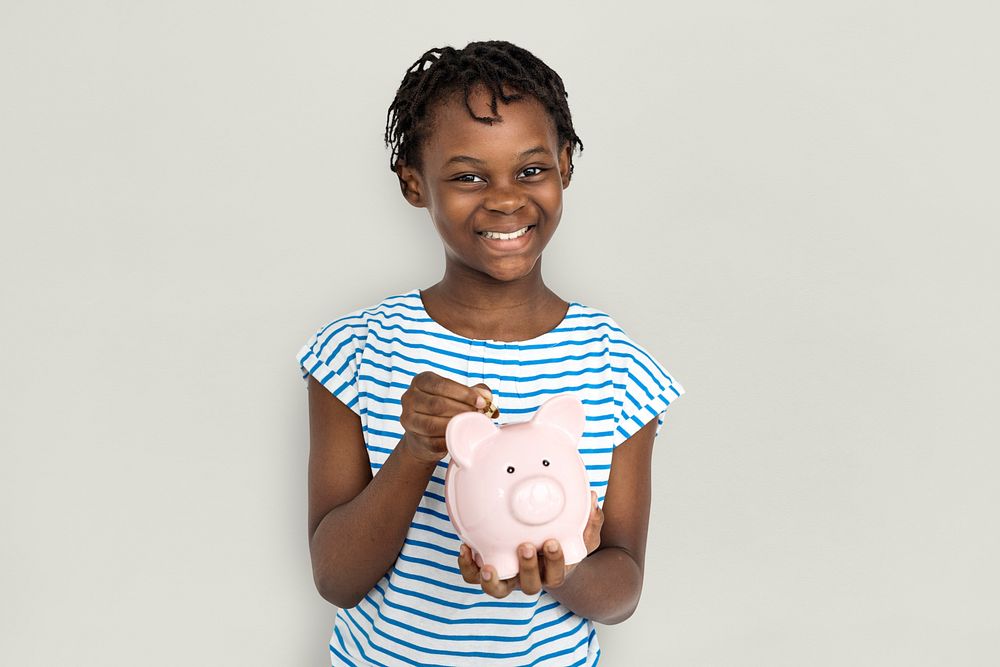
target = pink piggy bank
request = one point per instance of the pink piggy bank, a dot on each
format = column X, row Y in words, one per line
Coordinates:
column 518, row 483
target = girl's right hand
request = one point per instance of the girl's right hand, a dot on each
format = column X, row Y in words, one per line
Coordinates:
column 428, row 405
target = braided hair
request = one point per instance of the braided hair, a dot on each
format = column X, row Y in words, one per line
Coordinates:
column 445, row 72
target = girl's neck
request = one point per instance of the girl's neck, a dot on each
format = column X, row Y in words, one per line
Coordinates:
column 477, row 306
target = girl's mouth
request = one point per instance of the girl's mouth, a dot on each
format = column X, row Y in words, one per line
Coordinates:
column 502, row 237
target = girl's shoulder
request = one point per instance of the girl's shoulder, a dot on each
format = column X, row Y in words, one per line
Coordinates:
column 636, row 359
column 331, row 353
column 401, row 302
column 394, row 305
column 642, row 387
column 599, row 321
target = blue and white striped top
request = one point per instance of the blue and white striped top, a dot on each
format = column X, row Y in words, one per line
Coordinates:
column 422, row 612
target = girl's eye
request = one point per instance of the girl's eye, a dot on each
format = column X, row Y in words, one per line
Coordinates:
column 510, row 469
column 545, row 462
column 467, row 178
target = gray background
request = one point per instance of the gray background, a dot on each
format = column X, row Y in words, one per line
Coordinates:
column 795, row 207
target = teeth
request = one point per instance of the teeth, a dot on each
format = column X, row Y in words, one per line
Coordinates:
column 505, row 237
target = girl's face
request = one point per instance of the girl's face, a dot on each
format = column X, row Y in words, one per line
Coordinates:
column 505, row 178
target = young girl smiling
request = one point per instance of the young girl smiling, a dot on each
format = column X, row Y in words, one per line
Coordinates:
column 483, row 139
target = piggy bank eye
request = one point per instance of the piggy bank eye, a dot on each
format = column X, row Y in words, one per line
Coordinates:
column 510, row 469
column 545, row 462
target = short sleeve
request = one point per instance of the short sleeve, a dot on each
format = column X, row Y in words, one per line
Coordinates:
column 333, row 354
column 645, row 389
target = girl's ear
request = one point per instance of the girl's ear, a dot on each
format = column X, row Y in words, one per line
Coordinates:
column 565, row 154
column 411, row 185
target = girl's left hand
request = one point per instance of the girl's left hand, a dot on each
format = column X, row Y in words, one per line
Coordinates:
column 535, row 570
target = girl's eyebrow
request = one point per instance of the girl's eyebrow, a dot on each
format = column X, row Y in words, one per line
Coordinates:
column 478, row 162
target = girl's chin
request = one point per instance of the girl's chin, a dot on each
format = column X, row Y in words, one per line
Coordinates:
column 508, row 271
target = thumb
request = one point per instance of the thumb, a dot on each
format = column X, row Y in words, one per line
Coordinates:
column 490, row 408
column 592, row 533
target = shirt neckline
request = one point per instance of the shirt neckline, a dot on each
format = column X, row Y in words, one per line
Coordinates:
column 434, row 324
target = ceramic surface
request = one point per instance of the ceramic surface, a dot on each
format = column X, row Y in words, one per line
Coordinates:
column 518, row 483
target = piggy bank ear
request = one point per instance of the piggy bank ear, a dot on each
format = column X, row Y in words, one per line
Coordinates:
column 564, row 412
column 464, row 432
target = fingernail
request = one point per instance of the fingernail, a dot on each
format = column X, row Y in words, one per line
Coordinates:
column 527, row 552
column 480, row 402
column 486, row 575
column 551, row 547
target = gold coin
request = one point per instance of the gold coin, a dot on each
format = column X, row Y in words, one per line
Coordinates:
column 491, row 410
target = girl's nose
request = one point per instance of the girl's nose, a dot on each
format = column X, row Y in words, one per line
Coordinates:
column 506, row 200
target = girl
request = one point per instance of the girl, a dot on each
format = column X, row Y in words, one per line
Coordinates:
column 483, row 139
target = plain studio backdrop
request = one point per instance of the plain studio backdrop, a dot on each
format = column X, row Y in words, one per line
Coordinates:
column 795, row 208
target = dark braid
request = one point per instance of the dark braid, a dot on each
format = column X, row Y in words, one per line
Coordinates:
column 443, row 72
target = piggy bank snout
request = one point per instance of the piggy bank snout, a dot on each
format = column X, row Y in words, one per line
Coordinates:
column 537, row 500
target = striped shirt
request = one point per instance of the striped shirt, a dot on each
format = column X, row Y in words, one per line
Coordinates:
column 422, row 612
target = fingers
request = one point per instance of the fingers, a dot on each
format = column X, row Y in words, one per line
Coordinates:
column 468, row 567
column 432, row 383
column 535, row 570
column 434, row 411
column 424, row 424
column 487, row 576
column 484, row 391
column 437, row 405
column 428, row 405
column 498, row 588
column 555, row 564
column 592, row 532
column 529, row 575
column 489, row 407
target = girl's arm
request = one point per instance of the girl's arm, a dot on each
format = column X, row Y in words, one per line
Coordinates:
column 606, row 585
column 357, row 522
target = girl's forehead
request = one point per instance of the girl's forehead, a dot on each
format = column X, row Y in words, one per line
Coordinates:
column 524, row 124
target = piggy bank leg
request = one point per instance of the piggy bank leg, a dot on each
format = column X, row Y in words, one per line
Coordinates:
column 574, row 549
column 506, row 564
